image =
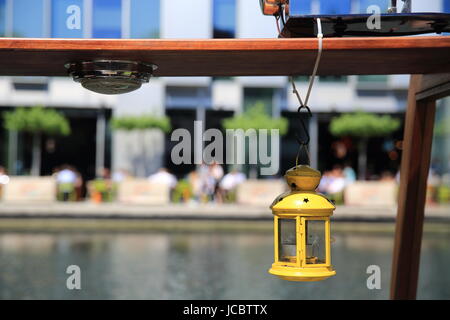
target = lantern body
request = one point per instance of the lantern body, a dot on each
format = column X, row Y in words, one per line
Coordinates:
column 302, row 229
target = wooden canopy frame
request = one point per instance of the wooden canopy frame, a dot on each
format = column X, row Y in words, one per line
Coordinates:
column 426, row 58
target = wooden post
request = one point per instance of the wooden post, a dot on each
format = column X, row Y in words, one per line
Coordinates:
column 415, row 164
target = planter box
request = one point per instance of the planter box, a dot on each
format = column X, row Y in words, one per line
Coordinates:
column 260, row 192
column 371, row 193
column 30, row 189
column 141, row 191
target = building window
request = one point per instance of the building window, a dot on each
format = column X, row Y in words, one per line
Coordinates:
column 188, row 97
column 447, row 6
column 364, row 4
column 373, row 78
column 254, row 96
column 145, row 19
column 65, row 14
column 224, row 18
column 27, row 86
column 335, row 7
column 2, row 18
column 333, row 79
column 107, row 19
column 28, row 18
column 300, row 7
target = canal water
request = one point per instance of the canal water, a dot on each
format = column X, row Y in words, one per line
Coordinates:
column 219, row 264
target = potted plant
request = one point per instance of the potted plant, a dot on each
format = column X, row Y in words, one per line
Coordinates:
column 363, row 126
column 141, row 123
column 256, row 117
column 37, row 121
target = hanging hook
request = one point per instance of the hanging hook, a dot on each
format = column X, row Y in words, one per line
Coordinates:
column 303, row 144
column 305, row 130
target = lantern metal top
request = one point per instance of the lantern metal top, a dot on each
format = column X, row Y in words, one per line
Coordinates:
column 302, row 199
column 303, row 178
column 302, row 203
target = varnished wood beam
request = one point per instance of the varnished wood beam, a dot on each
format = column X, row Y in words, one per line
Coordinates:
column 434, row 86
column 415, row 164
column 233, row 57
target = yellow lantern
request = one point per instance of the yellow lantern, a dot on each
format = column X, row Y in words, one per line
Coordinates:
column 302, row 229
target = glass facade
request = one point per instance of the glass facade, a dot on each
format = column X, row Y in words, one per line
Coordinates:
column 364, row 4
column 145, row 19
column 447, row 6
column 28, row 17
column 224, row 18
column 300, row 7
column 335, row 7
column 67, row 18
column 107, row 19
column 2, row 18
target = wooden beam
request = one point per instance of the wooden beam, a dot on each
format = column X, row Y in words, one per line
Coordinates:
column 233, row 57
column 434, row 86
column 415, row 164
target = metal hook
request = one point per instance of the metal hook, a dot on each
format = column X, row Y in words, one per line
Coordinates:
column 303, row 143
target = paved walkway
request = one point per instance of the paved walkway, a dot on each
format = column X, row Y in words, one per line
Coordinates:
column 188, row 211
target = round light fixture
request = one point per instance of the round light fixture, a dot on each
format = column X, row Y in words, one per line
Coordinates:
column 110, row 76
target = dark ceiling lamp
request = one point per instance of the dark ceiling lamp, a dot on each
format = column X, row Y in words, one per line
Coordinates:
column 111, row 76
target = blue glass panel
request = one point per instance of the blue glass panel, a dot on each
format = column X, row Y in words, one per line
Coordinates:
column 28, row 18
column 65, row 14
column 446, row 6
column 299, row 7
column 145, row 19
column 2, row 18
column 364, row 4
column 224, row 18
column 335, row 7
column 107, row 19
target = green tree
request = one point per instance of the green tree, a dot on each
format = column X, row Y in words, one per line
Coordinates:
column 37, row 121
column 256, row 117
column 363, row 126
column 442, row 128
column 141, row 123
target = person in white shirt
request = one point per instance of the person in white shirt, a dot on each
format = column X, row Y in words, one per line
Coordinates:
column 66, row 175
column 163, row 176
column 232, row 180
column 4, row 179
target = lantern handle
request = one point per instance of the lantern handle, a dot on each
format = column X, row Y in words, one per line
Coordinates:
column 305, row 130
column 303, row 144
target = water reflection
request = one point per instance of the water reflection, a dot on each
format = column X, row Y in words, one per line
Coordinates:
column 216, row 265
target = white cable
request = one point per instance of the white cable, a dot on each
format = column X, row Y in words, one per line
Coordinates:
column 319, row 55
column 316, row 66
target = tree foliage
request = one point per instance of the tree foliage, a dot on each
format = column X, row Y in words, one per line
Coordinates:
column 129, row 123
column 443, row 127
column 37, row 120
column 256, row 118
column 364, row 125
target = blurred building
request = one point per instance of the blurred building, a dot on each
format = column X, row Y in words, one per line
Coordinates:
column 183, row 99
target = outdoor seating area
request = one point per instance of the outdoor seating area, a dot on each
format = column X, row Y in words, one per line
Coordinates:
column 224, row 149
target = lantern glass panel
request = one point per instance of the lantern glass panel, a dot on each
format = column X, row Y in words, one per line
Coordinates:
column 287, row 240
column 315, row 242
